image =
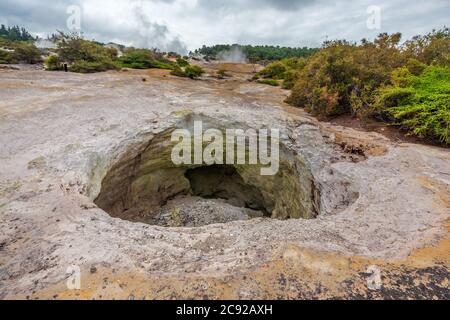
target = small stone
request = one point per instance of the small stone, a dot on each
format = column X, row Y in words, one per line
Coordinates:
column 93, row 269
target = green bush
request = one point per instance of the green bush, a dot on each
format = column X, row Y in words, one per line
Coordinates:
column 419, row 104
column 432, row 48
column 290, row 78
column 295, row 63
column 269, row 82
column 275, row 70
column 406, row 85
column 163, row 64
column 287, row 70
column 27, row 53
column 143, row 59
column 182, row 62
column 89, row 56
column 415, row 67
column 177, row 71
column 8, row 44
column 325, row 84
column 137, row 59
column 6, row 57
column 83, row 66
column 85, row 56
column 193, row 72
column 342, row 78
column 53, row 63
column 190, row 71
column 73, row 48
column 20, row 52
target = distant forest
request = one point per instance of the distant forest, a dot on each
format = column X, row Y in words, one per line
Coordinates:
column 256, row 53
column 15, row 33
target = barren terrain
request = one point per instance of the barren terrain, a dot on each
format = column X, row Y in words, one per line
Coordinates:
column 68, row 140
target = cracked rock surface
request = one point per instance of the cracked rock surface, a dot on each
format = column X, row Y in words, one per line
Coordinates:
column 382, row 204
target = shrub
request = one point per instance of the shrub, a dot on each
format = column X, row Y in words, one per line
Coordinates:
column 275, row 70
column 431, row 48
column 287, row 69
column 325, row 84
column 290, row 78
column 83, row 66
column 27, row 53
column 164, row 64
column 85, row 56
column 137, row 59
column 190, row 71
column 18, row 52
column 90, row 56
column 346, row 75
column 415, row 67
column 295, row 63
column 6, row 57
column 73, row 48
column 419, row 104
column 182, row 62
column 193, row 72
column 269, row 82
column 407, row 85
column 53, row 63
column 177, row 71
column 143, row 59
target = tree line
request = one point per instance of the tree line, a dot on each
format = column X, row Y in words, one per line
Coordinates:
column 254, row 54
column 15, row 33
column 16, row 46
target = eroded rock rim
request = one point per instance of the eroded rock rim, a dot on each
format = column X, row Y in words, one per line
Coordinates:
column 145, row 179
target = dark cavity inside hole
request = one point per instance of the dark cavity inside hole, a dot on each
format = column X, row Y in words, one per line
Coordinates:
column 224, row 182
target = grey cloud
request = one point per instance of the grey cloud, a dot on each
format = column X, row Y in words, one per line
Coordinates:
column 35, row 14
column 44, row 18
column 182, row 24
column 239, row 5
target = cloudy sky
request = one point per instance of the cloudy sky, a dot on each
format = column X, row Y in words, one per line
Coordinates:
column 183, row 25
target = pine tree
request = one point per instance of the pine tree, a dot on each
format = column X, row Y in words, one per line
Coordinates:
column 3, row 30
column 15, row 33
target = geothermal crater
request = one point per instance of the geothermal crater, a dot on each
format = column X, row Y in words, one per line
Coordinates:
column 146, row 186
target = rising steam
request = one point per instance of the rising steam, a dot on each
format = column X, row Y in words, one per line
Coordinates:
column 235, row 54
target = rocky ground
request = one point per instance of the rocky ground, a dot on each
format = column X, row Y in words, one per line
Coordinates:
column 384, row 208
